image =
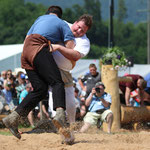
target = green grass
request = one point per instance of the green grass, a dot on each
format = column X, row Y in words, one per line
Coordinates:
column 5, row 133
column 8, row 133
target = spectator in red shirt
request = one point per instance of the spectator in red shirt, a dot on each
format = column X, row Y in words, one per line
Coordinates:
column 126, row 87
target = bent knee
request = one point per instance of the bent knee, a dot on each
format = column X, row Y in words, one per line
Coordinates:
column 41, row 89
column 109, row 116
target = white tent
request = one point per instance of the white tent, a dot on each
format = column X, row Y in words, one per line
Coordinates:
column 10, row 50
column 10, row 59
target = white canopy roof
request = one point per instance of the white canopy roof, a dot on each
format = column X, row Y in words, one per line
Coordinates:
column 81, row 68
column 10, row 50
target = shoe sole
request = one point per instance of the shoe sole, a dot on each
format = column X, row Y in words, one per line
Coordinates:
column 17, row 135
column 66, row 135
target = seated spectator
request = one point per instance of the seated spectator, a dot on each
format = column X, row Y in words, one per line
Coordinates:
column 99, row 108
column 147, row 79
column 134, row 98
column 9, row 89
column 7, row 92
column 83, row 107
column 20, row 83
column 4, row 108
column 2, row 78
column 1, row 87
column 146, row 93
column 26, row 79
column 9, row 79
column 134, row 81
column 87, row 82
column 23, row 94
column 77, row 102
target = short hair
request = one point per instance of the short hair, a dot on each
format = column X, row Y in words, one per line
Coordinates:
column 9, row 70
column 143, row 83
column 100, row 83
column 87, row 19
column 56, row 10
column 92, row 65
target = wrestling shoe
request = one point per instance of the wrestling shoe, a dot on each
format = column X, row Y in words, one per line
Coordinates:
column 59, row 122
column 11, row 122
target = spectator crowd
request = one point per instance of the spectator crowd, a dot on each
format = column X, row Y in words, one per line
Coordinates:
column 93, row 104
column 13, row 89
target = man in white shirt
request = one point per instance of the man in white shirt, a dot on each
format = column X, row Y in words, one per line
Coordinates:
column 66, row 58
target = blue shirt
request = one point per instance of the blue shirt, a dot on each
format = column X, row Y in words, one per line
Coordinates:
column 147, row 78
column 97, row 104
column 7, row 95
column 52, row 28
column 23, row 94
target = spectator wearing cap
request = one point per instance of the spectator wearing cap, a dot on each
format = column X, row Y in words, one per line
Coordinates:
column 99, row 108
column 87, row 82
column 27, row 79
column 6, row 92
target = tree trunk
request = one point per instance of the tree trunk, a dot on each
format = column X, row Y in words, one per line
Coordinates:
column 110, row 80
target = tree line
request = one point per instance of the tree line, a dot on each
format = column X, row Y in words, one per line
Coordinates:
column 16, row 17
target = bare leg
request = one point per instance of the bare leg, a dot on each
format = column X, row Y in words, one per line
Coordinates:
column 82, row 111
column 85, row 127
column 109, row 120
column 70, row 104
column 30, row 118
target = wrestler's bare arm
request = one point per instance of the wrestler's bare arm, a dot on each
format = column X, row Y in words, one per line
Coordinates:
column 70, row 44
column 67, row 51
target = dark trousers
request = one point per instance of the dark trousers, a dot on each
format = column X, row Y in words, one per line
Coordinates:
column 46, row 73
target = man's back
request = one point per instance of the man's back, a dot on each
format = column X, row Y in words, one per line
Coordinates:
column 132, row 85
column 52, row 28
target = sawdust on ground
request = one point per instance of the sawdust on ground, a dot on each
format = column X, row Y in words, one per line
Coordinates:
column 94, row 139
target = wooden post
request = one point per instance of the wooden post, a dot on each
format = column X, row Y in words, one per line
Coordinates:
column 110, row 80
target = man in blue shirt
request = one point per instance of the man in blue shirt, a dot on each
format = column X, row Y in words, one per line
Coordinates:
column 41, row 68
column 147, row 79
column 99, row 108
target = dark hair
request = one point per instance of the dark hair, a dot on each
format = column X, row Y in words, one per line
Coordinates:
column 143, row 83
column 98, row 84
column 76, row 90
column 56, row 10
column 9, row 70
column 19, row 73
column 87, row 19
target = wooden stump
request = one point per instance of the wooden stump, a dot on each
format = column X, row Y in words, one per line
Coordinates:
column 135, row 114
column 110, row 80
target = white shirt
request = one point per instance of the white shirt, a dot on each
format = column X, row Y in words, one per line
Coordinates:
column 82, row 45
